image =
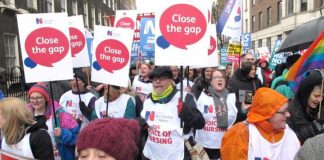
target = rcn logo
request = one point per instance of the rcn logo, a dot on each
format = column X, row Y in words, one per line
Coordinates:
column 149, row 115
column 208, row 108
column 39, row 21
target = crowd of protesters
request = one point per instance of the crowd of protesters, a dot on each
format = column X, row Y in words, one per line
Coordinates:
column 240, row 112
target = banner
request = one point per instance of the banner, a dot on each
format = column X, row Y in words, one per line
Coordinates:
column 246, row 42
column 136, row 54
column 263, row 53
column 110, row 61
column 125, row 19
column 230, row 20
column 182, row 37
column 147, row 33
column 45, row 46
column 223, row 57
column 78, row 42
column 234, row 52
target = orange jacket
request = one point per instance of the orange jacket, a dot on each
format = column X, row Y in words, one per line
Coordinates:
column 266, row 103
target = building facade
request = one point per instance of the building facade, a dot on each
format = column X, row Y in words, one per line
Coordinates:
column 94, row 13
column 270, row 20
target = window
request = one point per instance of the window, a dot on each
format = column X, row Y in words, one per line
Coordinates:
column 269, row 16
column 93, row 16
column 32, row 4
column 279, row 12
column 260, row 20
column 252, row 23
column 109, row 3
column 11, row 51
column 322, row 2
column 290, row 7
column 74, row 7
column 49, row 6
column 279, row 37
column 252, row 3
column 259, row 43
column 253, row 45
column 269, row 43
column 10, row 3
column 99, row 17
column 303, row 5
column 63, row 5
column 85, row 13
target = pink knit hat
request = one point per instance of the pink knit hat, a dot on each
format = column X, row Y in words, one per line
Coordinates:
column 116, row 136
column 40, row 88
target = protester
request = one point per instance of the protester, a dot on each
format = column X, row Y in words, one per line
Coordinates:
column 228, row 71
column 219, row 111
column 189, row 75
column 64, row 135
column 265, row 134
column 120, row 105
column 280, row 84
column 79, row 101
column 59, row 88
column 109, row 139
column 201, row 83
column 244, row 80
column 175, row 74
column 142, row 84
column 305, row 106
column 132, row 73
column 312, row 149
column 22, row 135
column 163, row 114
column 249, row 57
column 264, row 64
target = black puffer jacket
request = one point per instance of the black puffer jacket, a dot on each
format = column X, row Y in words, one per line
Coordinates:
column 302, row 117
column 301, row 122
column 239, row 83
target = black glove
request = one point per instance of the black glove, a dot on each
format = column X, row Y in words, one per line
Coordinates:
column 86, row 111
column 185, row 113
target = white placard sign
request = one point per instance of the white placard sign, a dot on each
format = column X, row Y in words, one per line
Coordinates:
column 111, row 57
column 80, row 57
column 182, row 36
column 125, row 19
column 45, row 46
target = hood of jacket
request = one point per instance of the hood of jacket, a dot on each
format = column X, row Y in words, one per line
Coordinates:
column 266, row 102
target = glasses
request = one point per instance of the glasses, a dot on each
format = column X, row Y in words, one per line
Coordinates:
column 159, row 78
column 218, row 78
column 35, row 98
column 282, row 112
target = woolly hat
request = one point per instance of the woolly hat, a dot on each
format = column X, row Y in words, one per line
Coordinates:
column 266, row 102
column 162, row 71
column 40, row 88
column 116, row 136
column 81, row 76
column 291, row 60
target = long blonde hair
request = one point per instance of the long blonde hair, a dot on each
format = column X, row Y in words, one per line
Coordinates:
column 16, row 116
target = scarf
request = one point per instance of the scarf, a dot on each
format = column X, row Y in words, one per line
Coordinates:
column 165, row 94
column 219, row 99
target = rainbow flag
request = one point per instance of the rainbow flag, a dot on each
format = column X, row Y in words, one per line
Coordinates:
column 313, row 58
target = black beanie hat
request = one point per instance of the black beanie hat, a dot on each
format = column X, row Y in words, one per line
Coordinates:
column 162, row 71
column 81, row 76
